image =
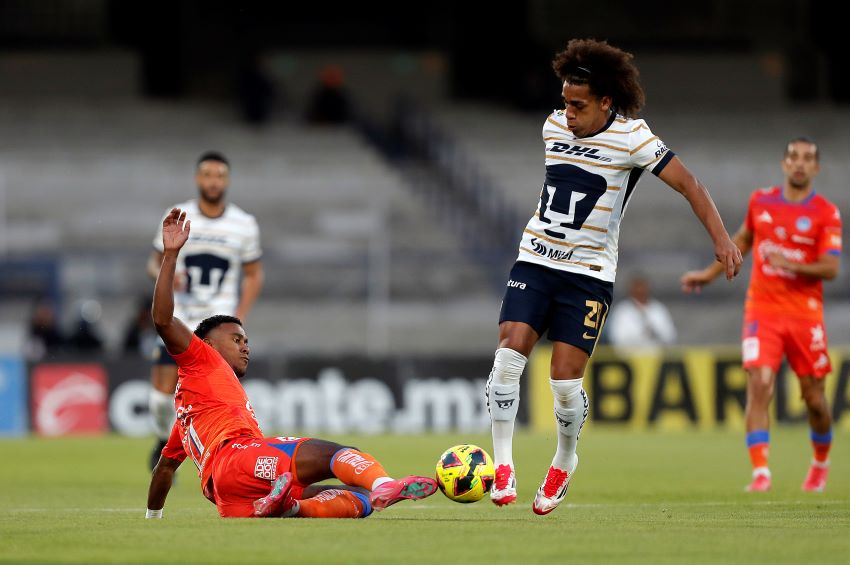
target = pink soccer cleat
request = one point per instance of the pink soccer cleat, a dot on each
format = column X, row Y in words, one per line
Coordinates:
column 816, row 477
column 503, row 491
column 553, row 490
column 278, row 503
column 408, row 488
column 760, row 482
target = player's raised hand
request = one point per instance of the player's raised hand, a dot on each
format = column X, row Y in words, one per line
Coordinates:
column 175, row 230
column 729, row 256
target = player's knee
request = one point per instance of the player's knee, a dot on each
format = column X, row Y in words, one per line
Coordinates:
column 760, row 390
column 815, row 400
column 508, row 366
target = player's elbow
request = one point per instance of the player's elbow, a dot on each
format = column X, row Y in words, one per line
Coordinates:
column 830, row 273
column 161, row 321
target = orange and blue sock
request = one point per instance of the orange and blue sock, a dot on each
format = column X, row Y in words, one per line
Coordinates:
column 357, row 469
column 758, row 442
column 335, row 503
column 821, row 444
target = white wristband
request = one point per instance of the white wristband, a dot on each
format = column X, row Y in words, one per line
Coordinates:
column 153, row 513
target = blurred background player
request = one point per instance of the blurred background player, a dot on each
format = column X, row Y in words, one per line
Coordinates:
column 243, row 473
column 796, row 235
column 225, row 246
column 563, row 278
column 640, row 321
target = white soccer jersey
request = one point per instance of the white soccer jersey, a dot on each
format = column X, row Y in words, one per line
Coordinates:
column 212, row 261
column 588, row 183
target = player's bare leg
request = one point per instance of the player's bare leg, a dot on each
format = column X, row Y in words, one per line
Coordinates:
column 820, row 422
column 568, row 364
column 161, row 405
column 516, row 340
column 761, row 382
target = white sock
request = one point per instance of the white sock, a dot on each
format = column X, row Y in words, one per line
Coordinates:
column 570, row 413
column 161, row 407
column 379, row 481
column 503, row 402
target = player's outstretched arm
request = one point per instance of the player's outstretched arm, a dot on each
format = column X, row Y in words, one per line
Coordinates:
column 175, row 334
column 693, row 281
column 161, row 480
column 680, row 179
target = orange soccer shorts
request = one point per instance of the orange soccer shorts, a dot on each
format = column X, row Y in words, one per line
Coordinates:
column 766, row 338
column 244, row 469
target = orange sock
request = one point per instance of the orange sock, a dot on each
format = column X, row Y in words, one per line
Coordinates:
column 758, row 455
column 356, row 468
column 334, row 503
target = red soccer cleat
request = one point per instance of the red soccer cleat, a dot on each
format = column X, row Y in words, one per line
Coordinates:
column 408, row 488
column 760, row 482
column 816, row 478
column 278, row 503
column 503, row 491
column 553, row 490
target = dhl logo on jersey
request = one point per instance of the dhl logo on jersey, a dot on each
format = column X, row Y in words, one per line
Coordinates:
column 578, row 151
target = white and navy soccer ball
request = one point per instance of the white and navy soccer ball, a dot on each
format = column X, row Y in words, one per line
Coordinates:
column 465, row 473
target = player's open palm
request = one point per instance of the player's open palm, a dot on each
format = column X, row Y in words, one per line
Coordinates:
column 175, row 230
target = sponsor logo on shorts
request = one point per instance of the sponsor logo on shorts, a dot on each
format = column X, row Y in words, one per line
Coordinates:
column 751, row 328
column 818, row 338
column 750, row 348
column 516, row 284
column 822, row 361
column 266, row 468
column 585, row 335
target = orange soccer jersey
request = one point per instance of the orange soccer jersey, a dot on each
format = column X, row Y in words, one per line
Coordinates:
column 799, row 231
column 211, row 407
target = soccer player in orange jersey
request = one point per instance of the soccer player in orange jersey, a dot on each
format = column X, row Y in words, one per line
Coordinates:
column 243, row 473
column 796, row 237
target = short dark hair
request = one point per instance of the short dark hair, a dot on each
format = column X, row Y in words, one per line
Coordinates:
column 803, row 139
column 607, row 70
column 211, row 323
column 212, row 156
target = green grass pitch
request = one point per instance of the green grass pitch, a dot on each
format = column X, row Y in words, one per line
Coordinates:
column 638, row 497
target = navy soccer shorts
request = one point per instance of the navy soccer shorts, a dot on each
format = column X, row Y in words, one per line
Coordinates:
column 571, row 307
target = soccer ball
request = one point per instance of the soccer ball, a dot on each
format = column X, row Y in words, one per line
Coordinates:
column 465, row 473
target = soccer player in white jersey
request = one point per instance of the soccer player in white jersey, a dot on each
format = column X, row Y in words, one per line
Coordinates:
column 224, row 248
column 596, row 149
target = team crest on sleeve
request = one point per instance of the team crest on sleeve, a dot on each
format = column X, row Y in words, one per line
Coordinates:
column 266, row 468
